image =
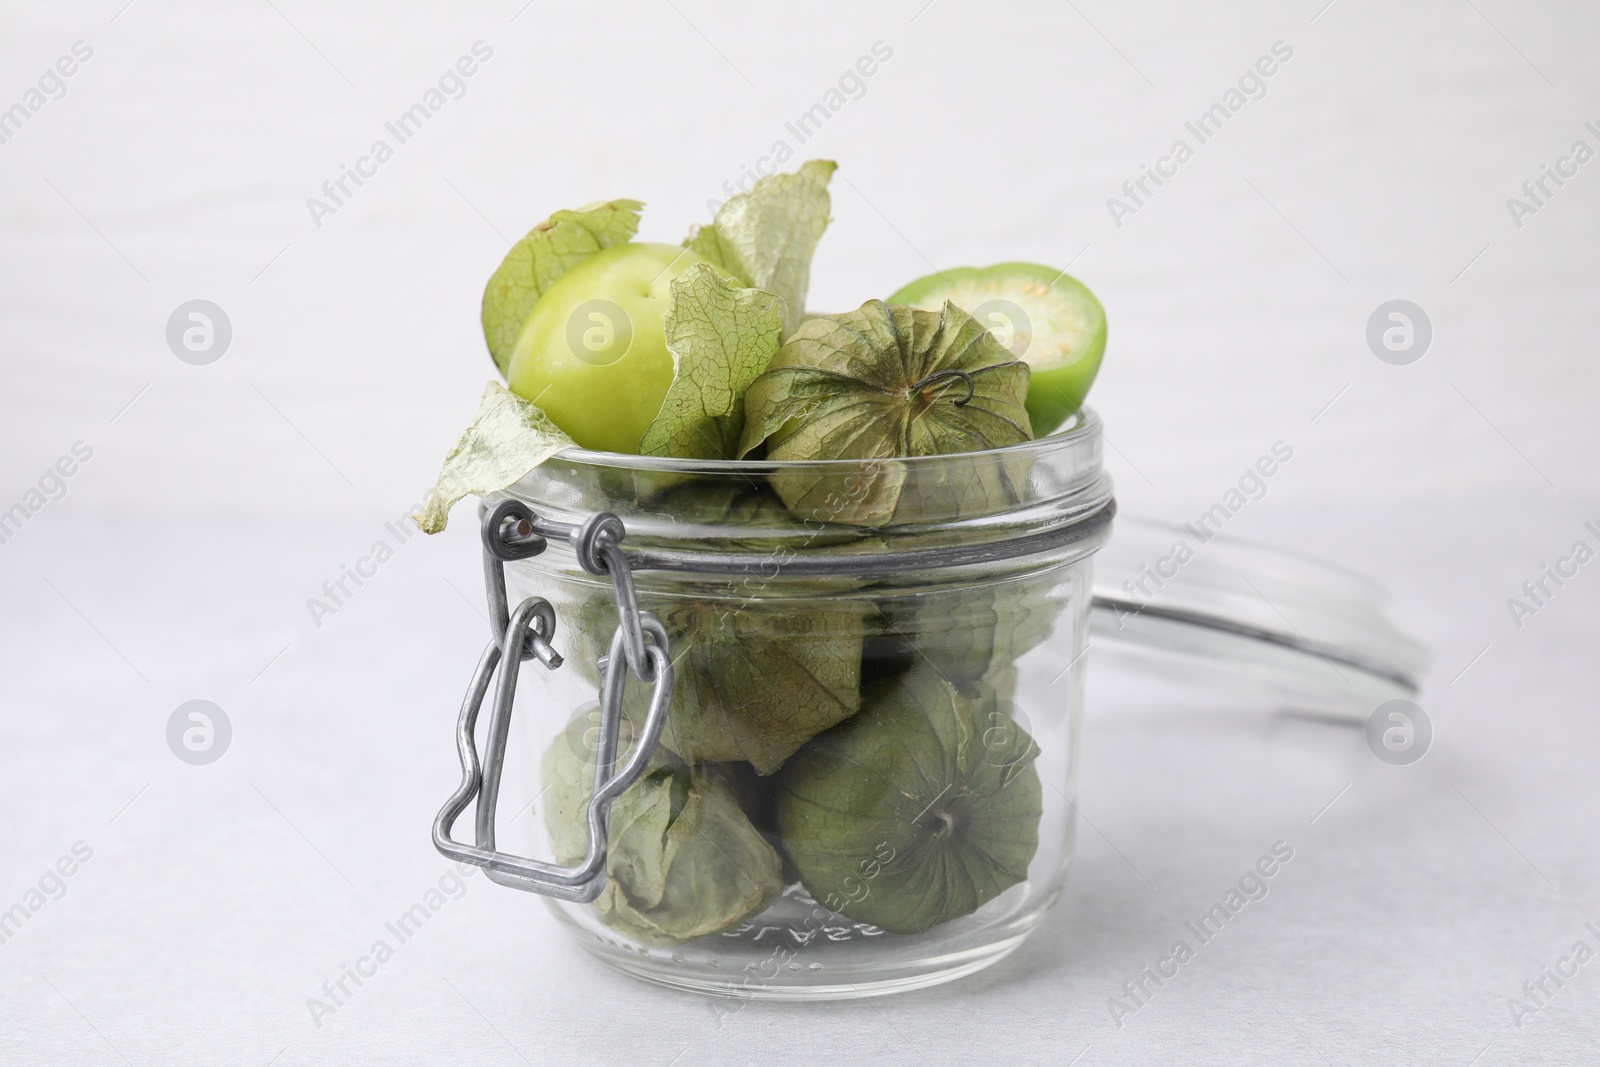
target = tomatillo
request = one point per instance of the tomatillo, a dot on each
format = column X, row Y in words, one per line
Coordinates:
column 593, row 355
column 1047, row 319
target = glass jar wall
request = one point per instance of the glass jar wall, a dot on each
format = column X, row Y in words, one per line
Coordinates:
column 865, row 780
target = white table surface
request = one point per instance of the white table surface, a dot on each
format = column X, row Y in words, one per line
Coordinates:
column 178, row 564
column 218, row 900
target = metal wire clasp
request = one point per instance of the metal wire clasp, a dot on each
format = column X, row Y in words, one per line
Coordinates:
column 511, row 532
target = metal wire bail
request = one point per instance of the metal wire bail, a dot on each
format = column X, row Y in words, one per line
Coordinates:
column 510, row 533
column 599, row 550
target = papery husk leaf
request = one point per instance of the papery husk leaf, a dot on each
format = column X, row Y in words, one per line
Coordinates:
column 755, row 680
column 967, row 635
column 683, row 861
column 507, row 439
column 766, row 237
column 722, row 337
column 544, row 254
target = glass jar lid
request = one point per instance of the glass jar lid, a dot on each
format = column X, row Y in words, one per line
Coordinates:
column 1205, row 610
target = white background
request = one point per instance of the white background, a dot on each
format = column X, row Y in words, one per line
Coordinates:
column 218, row 498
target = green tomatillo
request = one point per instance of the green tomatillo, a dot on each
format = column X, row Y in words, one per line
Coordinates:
column 593, row 353
column 882, row 383
column 916, row 811
column 1046, row 318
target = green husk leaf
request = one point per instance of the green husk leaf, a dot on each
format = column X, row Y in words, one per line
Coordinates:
column 919, row 810
column 722, row 337
column 727, row 505
column 754, row 681
column 766, row 237
column 567, row 777
column 727, row 515
column 713, row 505
column 588, row 617
column 970, row 636
column 507, row 439
column 884, row 382
column 547, row 252
column 683, row 861
column 746, row 515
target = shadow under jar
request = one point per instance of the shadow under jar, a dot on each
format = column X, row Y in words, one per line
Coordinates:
column 862, row 778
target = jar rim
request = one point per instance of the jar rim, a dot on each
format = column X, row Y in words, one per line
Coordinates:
column 1082, row 428
column 1034, row 492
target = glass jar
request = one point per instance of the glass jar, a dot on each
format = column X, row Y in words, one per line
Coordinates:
column 862, row 778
